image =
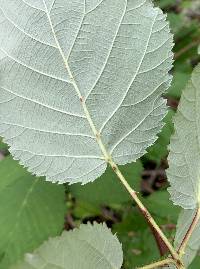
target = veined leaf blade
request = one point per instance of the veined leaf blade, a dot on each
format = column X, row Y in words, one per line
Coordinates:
column 184, row 157
column 74, row 70
column 184, row 165
column 90, row 246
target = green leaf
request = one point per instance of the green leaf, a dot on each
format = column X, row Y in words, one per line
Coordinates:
column 31, row 210
column 76, row 74
column 164, row 3
column 176, row 21
column 159, row 204
column 181, row 74
column 3, row 146
column 88, row 247
column 179, row 82
column 184, row 157
column 159, row 150
column 138, row 243
column 99, row 192
column 84, row 210
column 195, row 263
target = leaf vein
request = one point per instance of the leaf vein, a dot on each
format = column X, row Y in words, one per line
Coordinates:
column 44, row 105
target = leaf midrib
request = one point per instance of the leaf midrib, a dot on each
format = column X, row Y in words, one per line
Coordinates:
column 87, row 114
column 97, row 133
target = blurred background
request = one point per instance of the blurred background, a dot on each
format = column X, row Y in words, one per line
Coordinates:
column 105, row 200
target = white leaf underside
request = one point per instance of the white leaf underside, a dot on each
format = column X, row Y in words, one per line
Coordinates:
column 184, row 157
column 185, row 219
column 184, row 165
column 114, row 54
column 89, row 247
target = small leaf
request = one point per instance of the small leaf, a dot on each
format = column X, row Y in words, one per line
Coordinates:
column 78, row 77
column 89, row 247
column 31, row 210
column 184, row 157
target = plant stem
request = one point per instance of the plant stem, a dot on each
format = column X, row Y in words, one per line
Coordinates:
column 188, row 235
column 163, row 249
column 158, row 264
column 145, row 212
column 105, row 153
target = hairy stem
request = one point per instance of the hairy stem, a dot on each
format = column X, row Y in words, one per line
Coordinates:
column 145, row 212
column 188, row 235
column 158, row 264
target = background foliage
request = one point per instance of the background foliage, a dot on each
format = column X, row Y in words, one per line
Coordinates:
column 38, row 210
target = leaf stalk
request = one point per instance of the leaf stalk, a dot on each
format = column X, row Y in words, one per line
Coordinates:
column 145, row 212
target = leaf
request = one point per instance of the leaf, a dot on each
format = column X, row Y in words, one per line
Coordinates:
column 88, row 247
column 2, row 145
column 81, row 80
column 184, row 164
column 31, row 210
column 185, row 219
column 184, row 157
column 165, row 3
column 84, row 210
column 177, row 22
column 181, row 74
column 138, row 243
column 195, row 263
column 159, row 204
column 159, row 150
column 180, row 80
column 98, row 192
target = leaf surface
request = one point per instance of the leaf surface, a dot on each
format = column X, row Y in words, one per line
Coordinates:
column 185, row 219
column 77, row 72
column 88, row 247
column 31, row 210
column 184, row 157
column 184, row 165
